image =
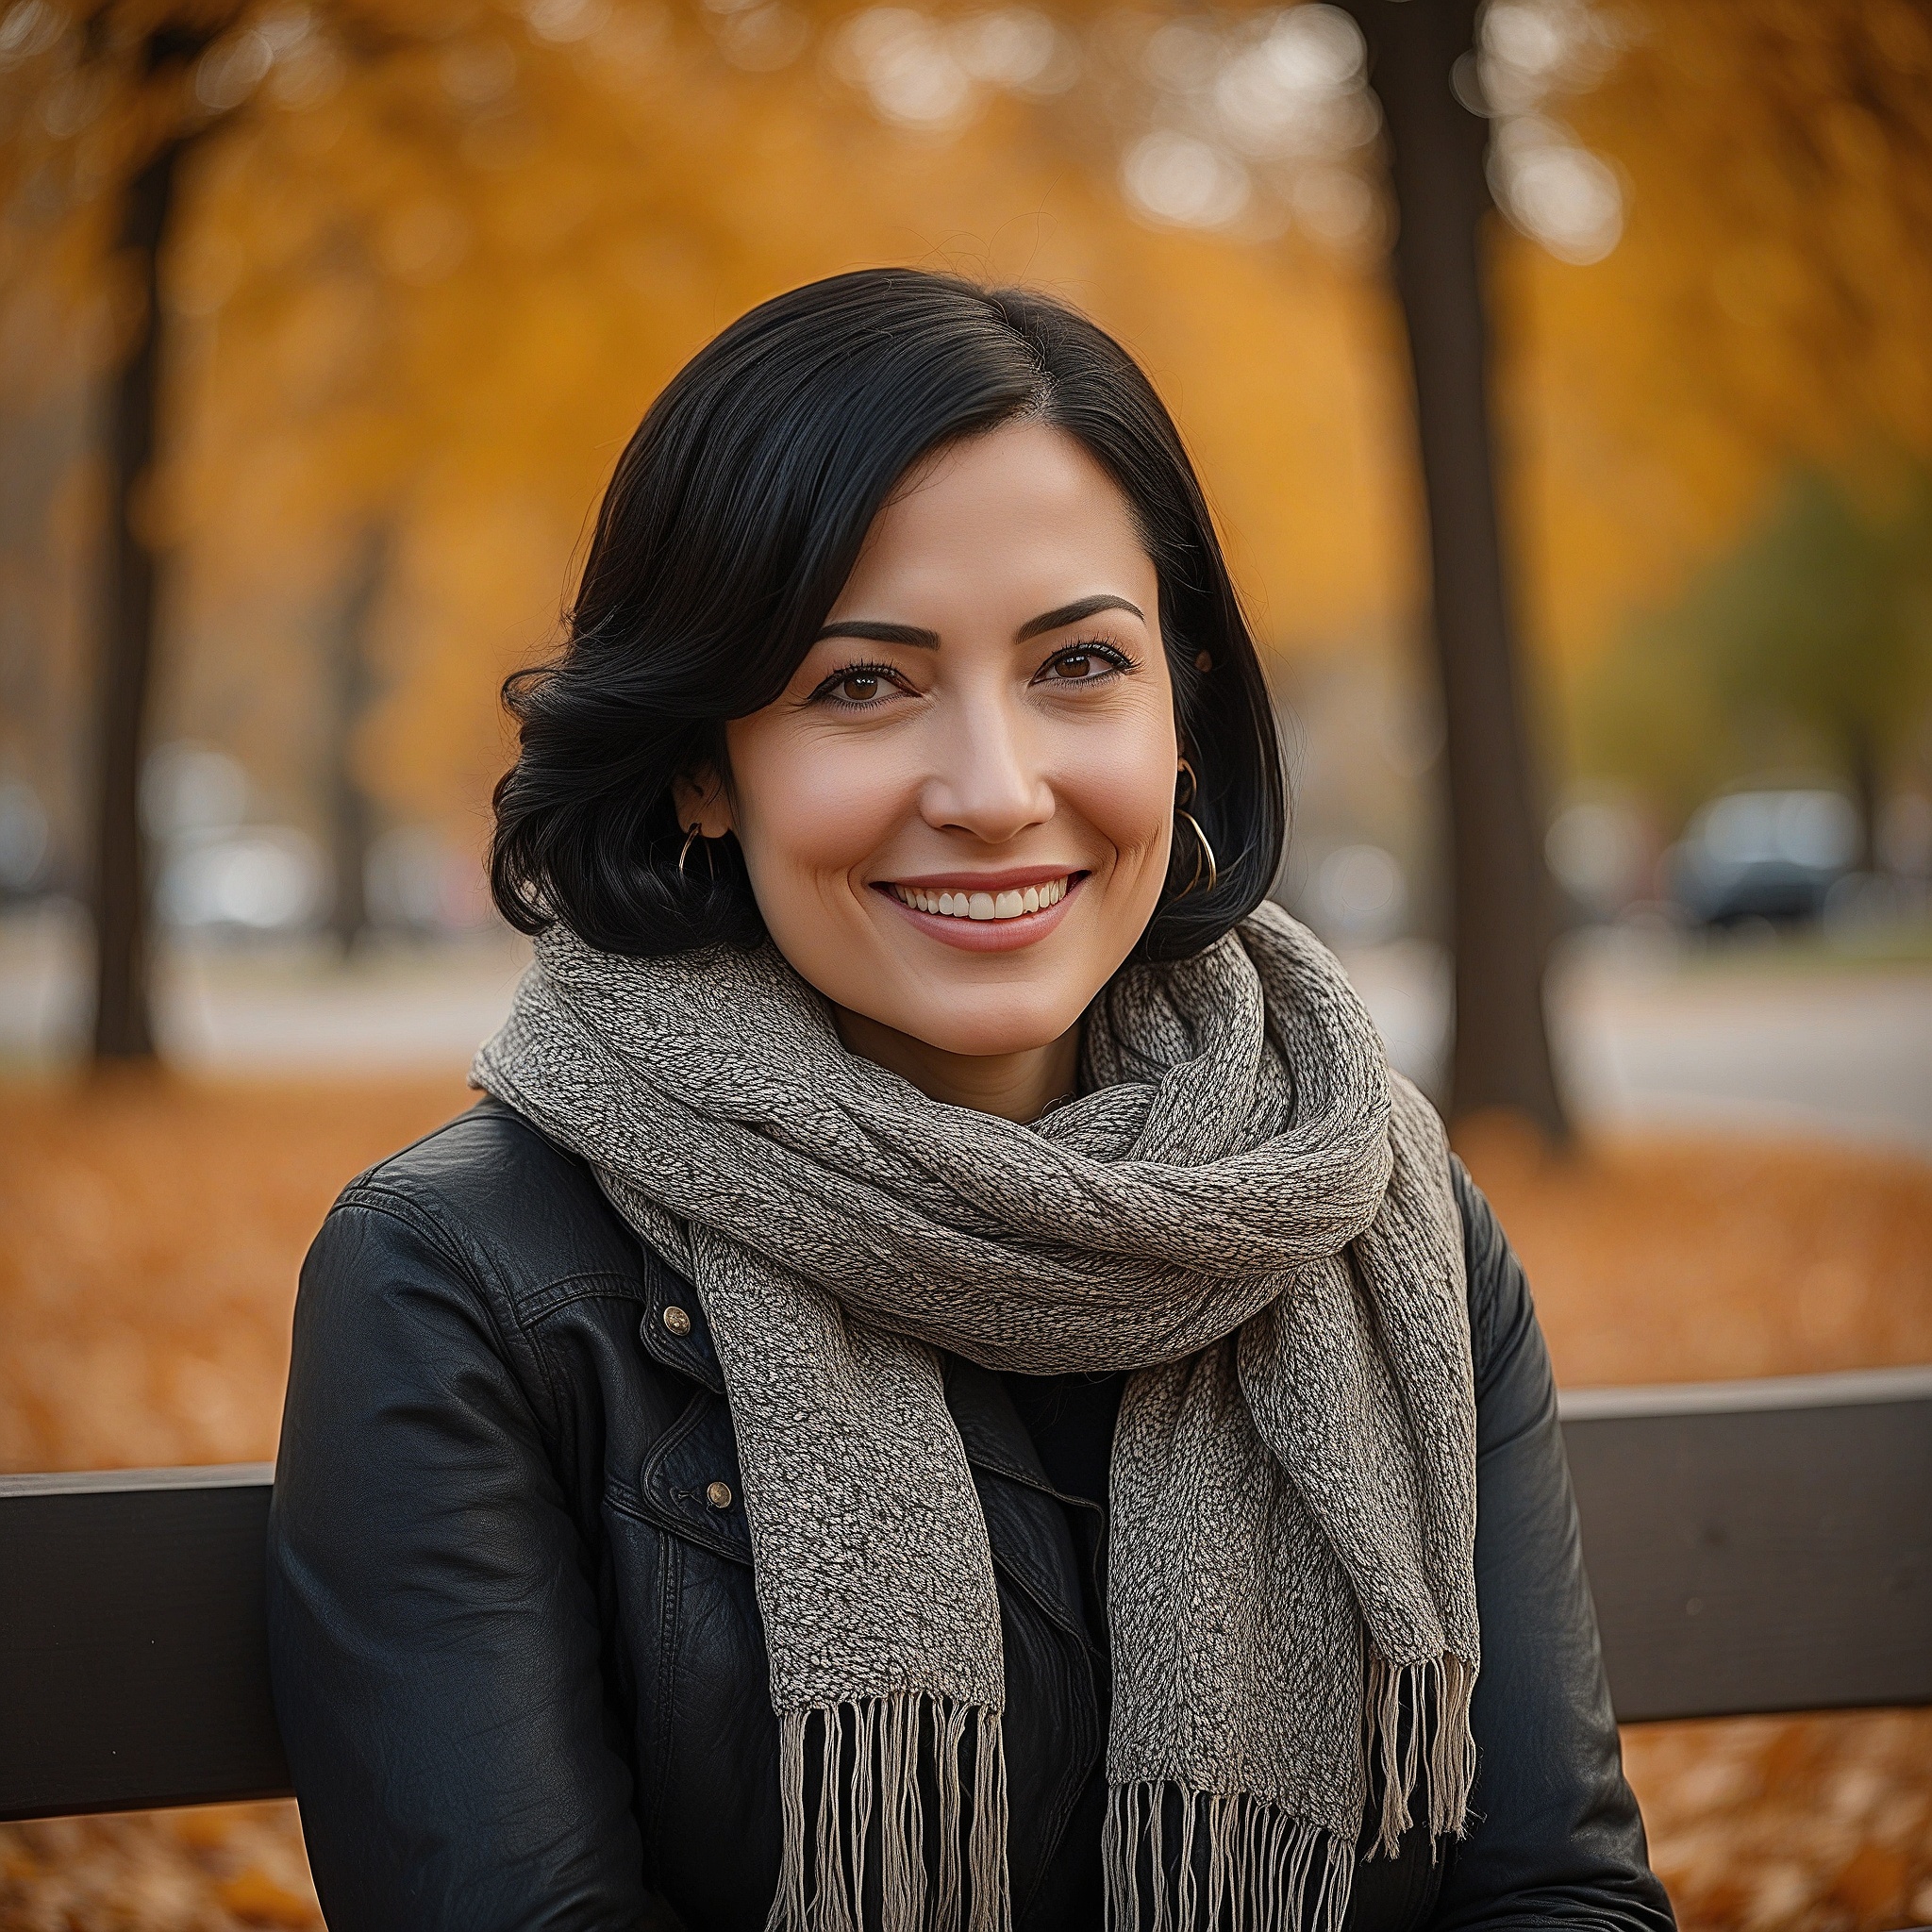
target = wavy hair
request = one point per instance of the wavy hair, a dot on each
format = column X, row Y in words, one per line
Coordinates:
column 729, row 526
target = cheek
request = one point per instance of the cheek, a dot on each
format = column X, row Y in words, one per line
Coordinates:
column 810, row 806
column 1124, row 787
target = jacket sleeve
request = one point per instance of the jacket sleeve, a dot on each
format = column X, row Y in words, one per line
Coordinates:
column 1555, row 1839
column 434, row 1635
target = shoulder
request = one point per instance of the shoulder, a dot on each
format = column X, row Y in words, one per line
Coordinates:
column 1515, row 1392
column 510, row 1209
column 1500, row 1312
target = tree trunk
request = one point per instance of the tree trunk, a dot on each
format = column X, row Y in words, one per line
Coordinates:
column 1868, row 788
column 351, row 816
column 1501, row 902
column 122, row 1026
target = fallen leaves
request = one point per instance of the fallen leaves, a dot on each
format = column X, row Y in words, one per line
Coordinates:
column 220, row 1868
column 1821, row 1823
column 150, row 1233
column 1679, row 1259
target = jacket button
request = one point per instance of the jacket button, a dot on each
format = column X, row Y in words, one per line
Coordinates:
column 717, row 1496
column 677, row 1319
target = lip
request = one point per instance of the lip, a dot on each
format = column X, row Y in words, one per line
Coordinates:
column 1017, row 880
column 987, row 935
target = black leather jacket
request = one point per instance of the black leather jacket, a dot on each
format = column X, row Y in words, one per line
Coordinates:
column 518, row 1660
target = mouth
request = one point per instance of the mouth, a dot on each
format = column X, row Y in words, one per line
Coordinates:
column 1011, row 903
column 986, row 914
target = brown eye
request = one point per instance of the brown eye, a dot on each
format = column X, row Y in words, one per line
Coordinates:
column 859, row 686
column 1075, row 666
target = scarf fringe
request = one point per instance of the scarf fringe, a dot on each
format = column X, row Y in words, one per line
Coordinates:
column 1435, row 1694
column 1267, row 1872
column 871, row 1752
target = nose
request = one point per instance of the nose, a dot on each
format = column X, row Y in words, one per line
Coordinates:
column 987, row 776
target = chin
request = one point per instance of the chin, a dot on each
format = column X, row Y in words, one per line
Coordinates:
column 984, row 1030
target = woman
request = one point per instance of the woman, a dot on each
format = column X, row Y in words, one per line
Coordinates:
column 947, row 1384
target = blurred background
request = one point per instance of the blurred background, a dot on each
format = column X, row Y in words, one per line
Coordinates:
column 1606, row 674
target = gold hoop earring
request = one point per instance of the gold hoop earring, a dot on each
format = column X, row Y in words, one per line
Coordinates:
column 1206, row 853
column 684, row 850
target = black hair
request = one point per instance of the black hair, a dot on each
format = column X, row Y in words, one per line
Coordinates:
column 732, row 521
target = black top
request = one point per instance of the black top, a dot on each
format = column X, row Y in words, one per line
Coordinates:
column 1071, row 1419
column 518, row 1661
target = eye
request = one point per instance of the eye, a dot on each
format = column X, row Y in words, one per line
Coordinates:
column 856, row 686
column 1083, row 664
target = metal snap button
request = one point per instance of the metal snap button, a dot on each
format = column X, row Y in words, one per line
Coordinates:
column 717, row 1496
column 677, row 1319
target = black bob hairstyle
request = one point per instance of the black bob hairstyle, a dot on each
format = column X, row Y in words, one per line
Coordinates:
column 730, row 526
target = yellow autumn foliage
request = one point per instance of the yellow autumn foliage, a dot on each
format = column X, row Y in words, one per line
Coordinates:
column 429, row 274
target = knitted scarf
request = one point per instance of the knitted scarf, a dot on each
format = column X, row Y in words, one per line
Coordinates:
column 1247, row 1209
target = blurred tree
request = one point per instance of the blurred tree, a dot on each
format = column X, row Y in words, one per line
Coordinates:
column 132, row 92
column 149, row 65
column 156, row 80
column 1500, row 916
column 1825, row 616
column 1768, row 306
column 351, row 811
column 1812, row 640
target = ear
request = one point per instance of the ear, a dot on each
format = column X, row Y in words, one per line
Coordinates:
column 701, row 799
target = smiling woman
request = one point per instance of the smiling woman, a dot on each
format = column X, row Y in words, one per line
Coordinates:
column 948, row 1387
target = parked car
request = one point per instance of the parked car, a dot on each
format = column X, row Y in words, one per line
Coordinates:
column 1763, row 855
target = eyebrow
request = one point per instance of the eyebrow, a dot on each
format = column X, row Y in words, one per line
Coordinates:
column 1073, row 613
column 925, row 639
column 880, row 633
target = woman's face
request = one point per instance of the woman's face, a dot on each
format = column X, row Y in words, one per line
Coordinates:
column 956, row 817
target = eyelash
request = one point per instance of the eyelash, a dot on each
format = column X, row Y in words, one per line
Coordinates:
column 1090, row 647
column 884, row 672
column 1110, row 655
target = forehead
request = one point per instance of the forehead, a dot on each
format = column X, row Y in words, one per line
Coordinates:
column 1021, row 512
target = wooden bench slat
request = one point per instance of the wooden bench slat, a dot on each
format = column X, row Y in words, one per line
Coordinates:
column 1759, row 1546
column 133, row 1643
column 1753, row 1547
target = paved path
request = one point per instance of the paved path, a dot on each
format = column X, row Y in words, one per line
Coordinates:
column 1645, row 1036
column 290, row 1007
column 1760, row 1042
column 1846, row 1053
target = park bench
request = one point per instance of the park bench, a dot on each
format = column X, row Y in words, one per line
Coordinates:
column 1754, row 1546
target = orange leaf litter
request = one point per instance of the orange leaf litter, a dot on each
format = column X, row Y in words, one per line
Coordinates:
column 150, row 1230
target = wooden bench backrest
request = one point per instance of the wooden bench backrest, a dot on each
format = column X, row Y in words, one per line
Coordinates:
column 1753, row 1547
column 1758, row 1546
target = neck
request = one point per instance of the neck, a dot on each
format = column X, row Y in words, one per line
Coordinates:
column 1016, row 1086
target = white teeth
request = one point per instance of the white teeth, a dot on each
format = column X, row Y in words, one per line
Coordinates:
column 1010, row 905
